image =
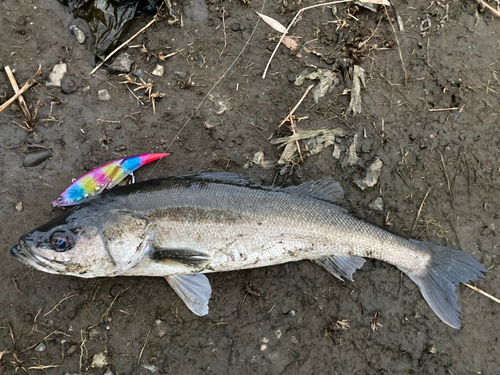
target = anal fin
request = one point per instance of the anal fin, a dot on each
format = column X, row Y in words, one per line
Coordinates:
column 341, row 266
column 194, row 289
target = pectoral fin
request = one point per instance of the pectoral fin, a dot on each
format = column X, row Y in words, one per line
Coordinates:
column 341, row 266
column 194, row 290
column 184, row 256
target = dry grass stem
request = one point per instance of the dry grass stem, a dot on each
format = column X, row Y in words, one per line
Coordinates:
column 397, row 42
column 293, row 23
column 493, row 10
column 420, row 210
column 483, row 293
column 289, row 116
column 155, row 18
column 61, row 301
column 26, row 86
column 143, row 347
column 43, row 367
column 13, row 82
column 442, row 109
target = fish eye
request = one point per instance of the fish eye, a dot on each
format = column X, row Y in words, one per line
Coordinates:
column 59, row 199
column 61, row 241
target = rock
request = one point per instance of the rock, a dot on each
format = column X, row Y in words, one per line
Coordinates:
column 120, row 148
column 291, row 77
column 238, row 27
column 162, row 327
column 139, row 73
column 100, row 360
column 40, row 347
column 151, row 368
column 68, row 85
column 377, row 204
column 103, row 95
column 372, row 175
column 72, row 349
column 79, row 35
column 36, row 158
column 122, row 64
column 94, row 333
column 19, row 207
column 180, row 74
column 58, row 72
column 158, row 71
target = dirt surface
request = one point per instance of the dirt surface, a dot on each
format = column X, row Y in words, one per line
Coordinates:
column 284, row 319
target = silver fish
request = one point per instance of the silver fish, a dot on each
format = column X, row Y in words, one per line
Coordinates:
column 183, row 227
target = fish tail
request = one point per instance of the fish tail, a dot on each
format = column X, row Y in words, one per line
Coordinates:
column 446, row 268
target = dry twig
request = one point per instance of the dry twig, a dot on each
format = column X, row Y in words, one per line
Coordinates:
column 495, row 12
column 420, row 210
column 13, row 82
column 155, row 18
column 483, row 293
column 289, row 116
column 293, row 23
column 26, row 86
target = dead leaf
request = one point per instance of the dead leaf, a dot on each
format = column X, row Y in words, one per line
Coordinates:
column 273, row 23
column 290, row 43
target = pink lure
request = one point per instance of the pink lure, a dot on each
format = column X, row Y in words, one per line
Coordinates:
column 103, row 177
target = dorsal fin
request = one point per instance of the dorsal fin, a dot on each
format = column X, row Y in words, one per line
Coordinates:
column 228, row 177
column 326, row 189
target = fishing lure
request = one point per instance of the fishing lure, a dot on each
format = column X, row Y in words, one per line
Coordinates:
column 103, row 177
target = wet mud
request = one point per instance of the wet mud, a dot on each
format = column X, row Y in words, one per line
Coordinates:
column 429, row 112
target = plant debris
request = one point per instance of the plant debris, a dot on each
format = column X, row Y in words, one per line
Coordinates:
column 328, row 80
column 358, row 77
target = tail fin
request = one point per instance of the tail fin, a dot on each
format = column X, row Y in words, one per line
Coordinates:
column 437, row 284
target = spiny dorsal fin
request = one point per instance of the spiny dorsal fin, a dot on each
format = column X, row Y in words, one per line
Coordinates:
column 341, row 267
column 325, row 189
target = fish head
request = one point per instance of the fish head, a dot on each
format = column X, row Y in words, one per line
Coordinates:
column 82, row 242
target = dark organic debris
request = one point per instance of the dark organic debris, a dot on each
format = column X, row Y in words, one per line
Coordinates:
column 108, row 19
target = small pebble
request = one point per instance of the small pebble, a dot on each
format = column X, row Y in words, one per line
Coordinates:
column 55, row 77
column 377, row 204
column 40, row 347
column 19, row 207
column 139, row 73
column 120, row 148
column 291, row 77
column 72, row 349
column 162, row 327
column 180, row 74
column 158, row 71
column 103, row 95
column 68, row 86
column 122, row 64
column 151, row 368
column 36, row 158
column 100, row 360
column 79, row 35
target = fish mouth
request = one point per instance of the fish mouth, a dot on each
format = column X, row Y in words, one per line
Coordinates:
column 24, row 254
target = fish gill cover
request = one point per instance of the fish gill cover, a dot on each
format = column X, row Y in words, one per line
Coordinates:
column 108, row 19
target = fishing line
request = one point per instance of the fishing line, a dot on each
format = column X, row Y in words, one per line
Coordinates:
column 209, row 91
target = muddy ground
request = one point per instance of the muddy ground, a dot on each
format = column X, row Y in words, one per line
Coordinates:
column 281, row 319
